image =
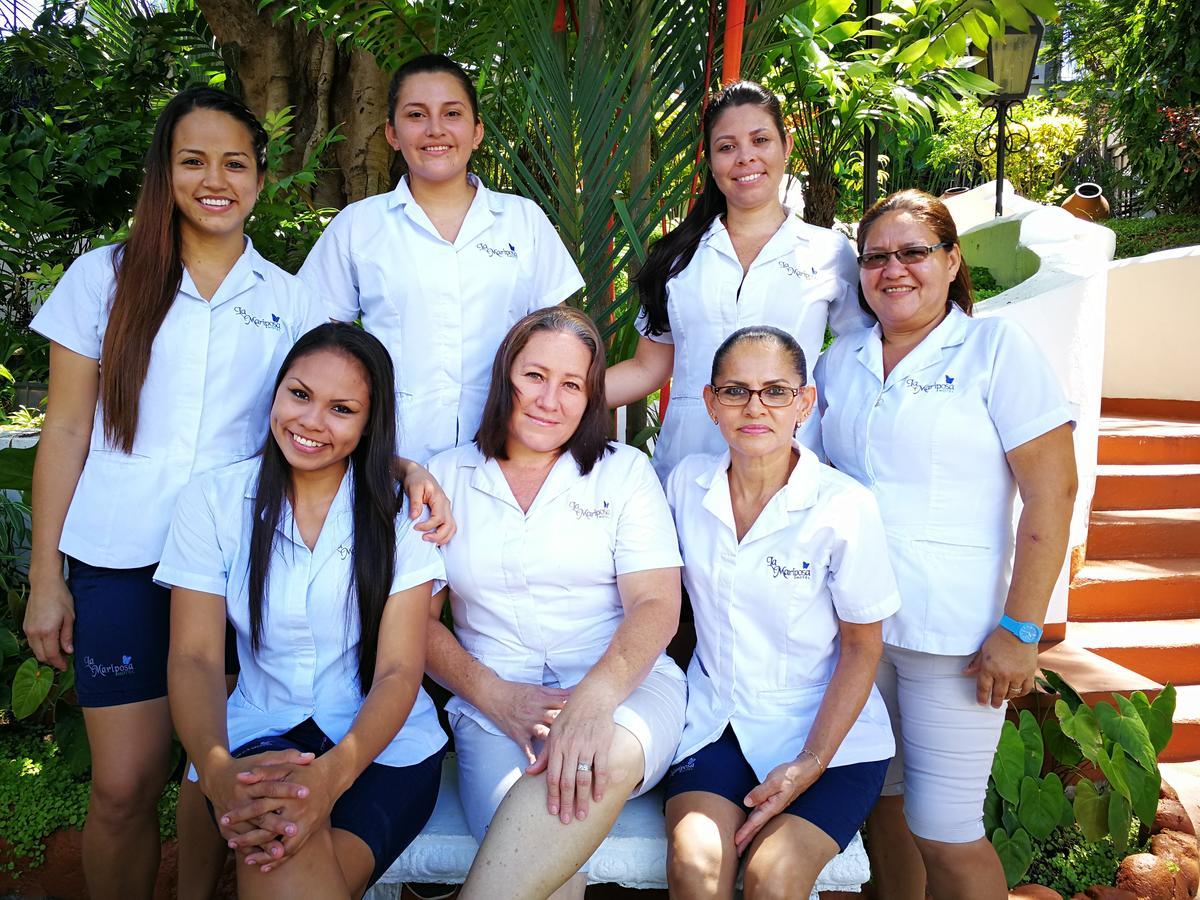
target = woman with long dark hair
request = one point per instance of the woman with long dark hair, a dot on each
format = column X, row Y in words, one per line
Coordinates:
column 162, row 352
column 739, row 258
column 307, row 553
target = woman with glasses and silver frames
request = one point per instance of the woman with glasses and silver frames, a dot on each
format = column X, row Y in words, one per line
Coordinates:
column 944, row 416
column 787, row 740
column 739, row 258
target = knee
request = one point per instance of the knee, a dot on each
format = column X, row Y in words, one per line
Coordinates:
column 695, row 858
column 775, row 876
column 119, row 796
column 940, row 856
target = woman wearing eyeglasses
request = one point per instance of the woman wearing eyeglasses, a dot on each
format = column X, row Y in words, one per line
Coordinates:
column 786, row 740
column 739, row 258
column 943, row 415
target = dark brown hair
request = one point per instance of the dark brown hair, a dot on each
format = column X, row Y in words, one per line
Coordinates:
column 932, row 213
column 431, row 63
column 671, row 253
column 762, row 334
column 148, row 267
column 590, row 440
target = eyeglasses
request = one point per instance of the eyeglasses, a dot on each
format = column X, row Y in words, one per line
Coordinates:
column 908, row 256
column 735, row 395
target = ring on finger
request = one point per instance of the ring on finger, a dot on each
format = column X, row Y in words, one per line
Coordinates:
column 1013, row 691
column 584, row 767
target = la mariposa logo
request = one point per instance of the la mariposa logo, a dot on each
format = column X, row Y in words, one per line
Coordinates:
column 945, row 386
column 582, row 512
column 796, row 272
column 803, row 572
column 510, row 251
column 272, row 324
column 102, row 670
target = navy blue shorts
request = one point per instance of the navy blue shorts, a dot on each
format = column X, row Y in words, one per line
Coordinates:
column 122, row 628
column 838, row 802
column 386, row 807
column 122, row 634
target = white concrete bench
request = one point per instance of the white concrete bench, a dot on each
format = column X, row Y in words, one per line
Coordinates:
column 633, row 855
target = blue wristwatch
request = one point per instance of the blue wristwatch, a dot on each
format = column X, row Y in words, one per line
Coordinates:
column 1026, row 632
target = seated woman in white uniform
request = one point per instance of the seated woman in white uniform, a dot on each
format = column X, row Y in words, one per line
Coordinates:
column 328, row 755
column 945, row 417
column 564, row 585
column 739, row 258
column 441, row 267
column 787, row 739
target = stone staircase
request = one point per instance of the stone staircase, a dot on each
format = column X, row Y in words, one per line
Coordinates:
column 1136, row 600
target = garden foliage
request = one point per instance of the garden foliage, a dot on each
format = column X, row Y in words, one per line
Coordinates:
column 1093, row 769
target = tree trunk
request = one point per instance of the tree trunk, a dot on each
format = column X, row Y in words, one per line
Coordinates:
column 274, row 64
column 820, row 200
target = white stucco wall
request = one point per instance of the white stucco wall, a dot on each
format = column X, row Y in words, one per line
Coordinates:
column 1061, row 302
column 1151, row 349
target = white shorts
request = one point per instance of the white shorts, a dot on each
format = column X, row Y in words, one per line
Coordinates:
column 945, row 742
column 489, row 764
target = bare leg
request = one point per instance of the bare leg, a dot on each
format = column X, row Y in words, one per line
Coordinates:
column 315, row 872
column 897, row 869
column 786, row 858
column 120, row 838
column 702, row 862
column 963, row 871
column 527, row 854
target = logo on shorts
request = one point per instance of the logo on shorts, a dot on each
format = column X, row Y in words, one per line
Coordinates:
column 778, row 569
column 272, row 324
column 686, row 766
column 582, row 512
column 797, row 272
column 945, row 386
column 510, row 251
column 103, row 670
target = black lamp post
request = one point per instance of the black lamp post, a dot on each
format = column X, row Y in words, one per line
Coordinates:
column 1010, row 61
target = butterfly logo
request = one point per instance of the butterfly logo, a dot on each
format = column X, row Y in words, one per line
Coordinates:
column 949, row 380
column 274, row 318
column 126, row 660
column 804, row 565
column 512, row 248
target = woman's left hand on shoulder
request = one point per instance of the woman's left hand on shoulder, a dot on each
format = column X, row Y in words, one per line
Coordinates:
column 575, row 756
column 782, row 786
column 422, row 490
column 1003, row 668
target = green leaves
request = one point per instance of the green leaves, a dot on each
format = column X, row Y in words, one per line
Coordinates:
column 1008, row 765
column 1041, row 806
column 1091, row 810
column 31, row 685
column 1015, row 852
column 1082, row 727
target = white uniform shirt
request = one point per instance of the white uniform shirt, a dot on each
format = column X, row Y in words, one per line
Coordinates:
column 534, row 594
column 440, row 308
column 307, row 664
column 768, row 608
column 929, row 441
column 803, row 278
column 204, row 403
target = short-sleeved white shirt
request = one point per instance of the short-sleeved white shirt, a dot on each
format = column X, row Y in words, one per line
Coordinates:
column 534, row 595
column 441, row 308
column 768, row 608
column 930, row 442
column 803, row 278
column 204, row 403
column 307, row 663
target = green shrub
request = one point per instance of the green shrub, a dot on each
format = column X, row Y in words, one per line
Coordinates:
column 1067, row 862
column 1137, row 237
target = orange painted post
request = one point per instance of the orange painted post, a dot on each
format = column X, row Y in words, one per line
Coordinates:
column 735, row 20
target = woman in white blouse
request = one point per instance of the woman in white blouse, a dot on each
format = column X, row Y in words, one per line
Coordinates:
column 564, row 585
column 327, row 756
column 944, row 417
column 787, row 740
column 739, row 258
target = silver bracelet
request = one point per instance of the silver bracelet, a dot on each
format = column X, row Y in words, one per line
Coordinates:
column 813, row 754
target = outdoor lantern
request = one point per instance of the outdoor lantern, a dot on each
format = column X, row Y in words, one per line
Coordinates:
column 1009, row 62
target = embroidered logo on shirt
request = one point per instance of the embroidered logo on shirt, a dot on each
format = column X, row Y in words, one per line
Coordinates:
column 510, row 252
column 272, row 324
column 778, row 569
column 798, row 273
column 946, row 386
column 103, row 670
column 582, row 512
column 343, row 552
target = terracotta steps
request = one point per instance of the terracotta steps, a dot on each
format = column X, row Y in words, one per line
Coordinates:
column 1135, row 603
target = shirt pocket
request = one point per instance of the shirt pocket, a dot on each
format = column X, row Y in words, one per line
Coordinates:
column 794, row 703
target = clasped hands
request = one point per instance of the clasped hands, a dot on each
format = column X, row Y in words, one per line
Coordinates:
column 269, row 804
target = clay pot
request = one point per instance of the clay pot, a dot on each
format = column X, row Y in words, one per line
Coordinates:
column 1146, row 877
column 1182, row 850
column 1035, row 892
column 952, row 192
column 1100, row 892
column 1171, row 816
column 1088, row 203
column 1166, row 792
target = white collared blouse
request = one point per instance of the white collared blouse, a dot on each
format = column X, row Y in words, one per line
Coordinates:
column 803, row 278
column 440, row 308
column 768, row 607
column 307, row 663
column 534, row 595
column 204, row 403
column 930, row 442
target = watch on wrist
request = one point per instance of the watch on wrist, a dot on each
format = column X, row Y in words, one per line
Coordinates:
column 1026, row 632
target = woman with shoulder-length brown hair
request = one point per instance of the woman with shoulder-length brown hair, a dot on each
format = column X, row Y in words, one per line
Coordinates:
column 564, row 585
